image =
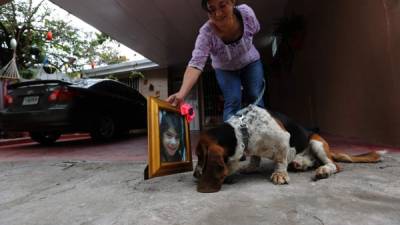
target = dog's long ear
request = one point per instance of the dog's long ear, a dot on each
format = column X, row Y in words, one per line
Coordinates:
column 214, row 171
column 201, row 154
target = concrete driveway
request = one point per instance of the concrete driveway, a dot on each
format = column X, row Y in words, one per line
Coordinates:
column 83, row 193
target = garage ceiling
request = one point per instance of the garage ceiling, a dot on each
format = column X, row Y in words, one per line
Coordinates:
column 162, row 30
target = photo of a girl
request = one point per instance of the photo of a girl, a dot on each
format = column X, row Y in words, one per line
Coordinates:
column 172, row 148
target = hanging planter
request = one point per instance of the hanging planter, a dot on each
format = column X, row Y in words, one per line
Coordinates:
column 135, row 74
column 10, row 71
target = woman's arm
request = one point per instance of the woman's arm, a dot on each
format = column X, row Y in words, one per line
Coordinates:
column 195, row 66
column 189, row 80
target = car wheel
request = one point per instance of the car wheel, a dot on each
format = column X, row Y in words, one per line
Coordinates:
column 103, row 128
column 45, row 137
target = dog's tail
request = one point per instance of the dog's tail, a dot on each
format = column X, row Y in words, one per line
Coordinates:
column 370, row 157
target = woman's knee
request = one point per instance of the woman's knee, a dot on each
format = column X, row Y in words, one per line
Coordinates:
column 233, row 102
column 254, row 92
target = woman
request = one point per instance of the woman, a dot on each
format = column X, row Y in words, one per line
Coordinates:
column 228, row 37
column 171, row 132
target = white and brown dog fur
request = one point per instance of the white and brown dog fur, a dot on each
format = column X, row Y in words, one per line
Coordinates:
column 271, row 135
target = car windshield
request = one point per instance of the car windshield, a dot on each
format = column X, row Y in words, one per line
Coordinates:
column 86, row 83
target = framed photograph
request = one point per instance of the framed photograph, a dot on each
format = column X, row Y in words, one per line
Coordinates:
column 168, row 140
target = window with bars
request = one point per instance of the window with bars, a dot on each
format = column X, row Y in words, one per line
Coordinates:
column 133, row 83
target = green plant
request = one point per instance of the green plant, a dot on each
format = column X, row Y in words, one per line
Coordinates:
column 135, row 74
column 112, row 77
column 75, row 74
column 27, row 73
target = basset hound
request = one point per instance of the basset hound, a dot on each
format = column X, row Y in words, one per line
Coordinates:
column 258, row 133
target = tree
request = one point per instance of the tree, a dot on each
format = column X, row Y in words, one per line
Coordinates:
column 69, row 49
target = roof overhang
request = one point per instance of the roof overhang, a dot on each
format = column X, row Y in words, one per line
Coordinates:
column 141, row 65
column 163, row 31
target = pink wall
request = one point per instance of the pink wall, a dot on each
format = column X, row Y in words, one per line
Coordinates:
column 346, row 77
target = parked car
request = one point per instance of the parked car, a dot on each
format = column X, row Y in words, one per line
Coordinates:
column 48, row 108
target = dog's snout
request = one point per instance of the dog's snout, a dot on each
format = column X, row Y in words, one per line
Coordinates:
column 296, row 166
column 197, row 172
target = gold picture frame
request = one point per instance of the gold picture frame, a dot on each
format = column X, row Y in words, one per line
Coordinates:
column 168, row 140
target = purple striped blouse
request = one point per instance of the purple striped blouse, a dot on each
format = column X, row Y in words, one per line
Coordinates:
column 232, row 56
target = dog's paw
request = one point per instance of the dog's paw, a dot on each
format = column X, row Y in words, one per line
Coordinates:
column 280, row 177
column 324, row 172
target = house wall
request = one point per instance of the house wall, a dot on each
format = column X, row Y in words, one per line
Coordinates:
column 345, row 78
column 155, row 83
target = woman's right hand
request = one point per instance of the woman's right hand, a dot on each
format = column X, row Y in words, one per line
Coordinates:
column 176, row 99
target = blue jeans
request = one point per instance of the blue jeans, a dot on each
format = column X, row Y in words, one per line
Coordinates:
column 230, row 82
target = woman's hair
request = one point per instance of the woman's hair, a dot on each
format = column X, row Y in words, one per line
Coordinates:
column 204, row 4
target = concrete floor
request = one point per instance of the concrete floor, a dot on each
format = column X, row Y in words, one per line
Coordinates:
column 82, row 192
column 74, row 192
